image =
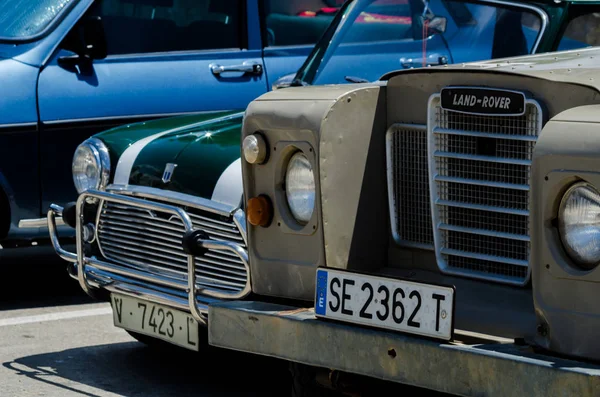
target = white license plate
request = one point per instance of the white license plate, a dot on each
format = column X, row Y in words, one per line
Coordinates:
column 382, row 302
column 162, row 322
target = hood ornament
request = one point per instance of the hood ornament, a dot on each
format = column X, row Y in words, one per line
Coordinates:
column 168, row 173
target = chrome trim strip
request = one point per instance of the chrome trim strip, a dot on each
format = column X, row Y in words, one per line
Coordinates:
column 53, row 212
column 491, row 258
column 17, row 125
column 481, row 183
column 173, row 197
column 528, row 138
column 485, row 232
column 481, row 207
column 476, row 157
column 128, row 157
column 389, row 139
column 40, row 222
column 132, row 117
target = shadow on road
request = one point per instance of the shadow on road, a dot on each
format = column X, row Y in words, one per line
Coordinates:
column 132, row 369
column 38, row 281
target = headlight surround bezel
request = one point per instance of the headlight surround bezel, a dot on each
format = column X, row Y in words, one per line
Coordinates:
column 101, row 157
column 301, row 219
column 581, row 263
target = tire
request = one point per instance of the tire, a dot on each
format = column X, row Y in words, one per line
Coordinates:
column 304, row 382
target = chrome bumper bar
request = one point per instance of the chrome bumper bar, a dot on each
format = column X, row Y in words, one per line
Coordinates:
column 477, row 365
column 93, row 273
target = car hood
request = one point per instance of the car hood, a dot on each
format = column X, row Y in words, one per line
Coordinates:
column 203, row 149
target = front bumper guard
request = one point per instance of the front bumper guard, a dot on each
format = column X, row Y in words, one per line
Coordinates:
column 479, row 365
column 136, row 283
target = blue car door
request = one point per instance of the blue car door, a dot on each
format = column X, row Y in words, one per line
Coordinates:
column 165, row 57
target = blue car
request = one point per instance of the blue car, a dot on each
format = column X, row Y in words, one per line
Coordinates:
column 72, row 68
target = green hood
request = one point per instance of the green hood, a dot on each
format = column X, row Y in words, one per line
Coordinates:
column 202, row 146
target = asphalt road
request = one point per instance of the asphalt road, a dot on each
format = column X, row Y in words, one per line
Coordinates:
column 56, row 341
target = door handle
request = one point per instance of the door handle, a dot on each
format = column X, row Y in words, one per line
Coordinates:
column 432, row 60
column 249, row 67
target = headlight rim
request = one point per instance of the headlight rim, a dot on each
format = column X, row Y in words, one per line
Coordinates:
column 288, row 162
column 573, row 256
column 100, row 152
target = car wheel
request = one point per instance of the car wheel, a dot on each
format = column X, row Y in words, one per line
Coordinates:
column 304, row 382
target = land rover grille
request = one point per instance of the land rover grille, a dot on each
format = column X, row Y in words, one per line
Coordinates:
column 460, row 186
column 151, row 241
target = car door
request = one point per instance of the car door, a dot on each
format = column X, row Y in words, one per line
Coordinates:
column 165, row 57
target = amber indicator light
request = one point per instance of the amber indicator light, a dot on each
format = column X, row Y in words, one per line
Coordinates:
column 259, row 211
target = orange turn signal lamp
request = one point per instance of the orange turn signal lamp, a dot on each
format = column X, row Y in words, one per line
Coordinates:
column 259, row 211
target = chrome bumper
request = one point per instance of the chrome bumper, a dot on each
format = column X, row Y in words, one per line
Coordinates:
column 93, row 273
column 478, row 365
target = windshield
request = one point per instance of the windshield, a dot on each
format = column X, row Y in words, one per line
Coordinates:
column 21, row 19
column 369, row 38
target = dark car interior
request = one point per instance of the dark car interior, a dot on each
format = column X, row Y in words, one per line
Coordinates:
column 297, row 22
column 147, row 26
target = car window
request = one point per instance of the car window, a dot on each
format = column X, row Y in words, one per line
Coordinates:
column 297, row 22
column 147, row 26
column 581, row 31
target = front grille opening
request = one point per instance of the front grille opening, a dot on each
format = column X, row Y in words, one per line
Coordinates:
column 485, row 220
column 150, row 241
column 486, row 245
column 484, row 170
column 411, row 186
column 486, row 268
column 519, row 125
column 484, row 146
column 484, row 195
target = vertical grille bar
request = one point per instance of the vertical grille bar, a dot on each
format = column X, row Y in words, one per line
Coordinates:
column 480, row 170
column 408, row 185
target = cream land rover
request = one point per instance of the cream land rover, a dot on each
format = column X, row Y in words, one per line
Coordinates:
column 440, row 228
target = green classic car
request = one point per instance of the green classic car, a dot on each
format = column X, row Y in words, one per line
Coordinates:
column 160, row 222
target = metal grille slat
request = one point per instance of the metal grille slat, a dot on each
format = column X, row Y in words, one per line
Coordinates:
column 480, row 172
column 151, row 242
column 526, row 138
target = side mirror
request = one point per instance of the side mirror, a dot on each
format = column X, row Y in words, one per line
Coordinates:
column 283, row 81
column 88, row 43
column 434, row 25
column 437, row 25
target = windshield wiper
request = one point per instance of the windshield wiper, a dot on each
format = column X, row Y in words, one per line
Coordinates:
column 353, row 79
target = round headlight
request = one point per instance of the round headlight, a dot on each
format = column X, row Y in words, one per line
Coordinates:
column 254, row 148
column 91, row 165
column 579, row 224
column 300, row 188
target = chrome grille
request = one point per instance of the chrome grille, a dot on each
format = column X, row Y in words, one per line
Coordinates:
column 151, row 241
column 409, row 185
column 480, row 168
